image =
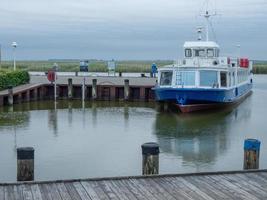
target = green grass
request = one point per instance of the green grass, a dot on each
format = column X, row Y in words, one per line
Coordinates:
column 95, row 65
column 259, row 67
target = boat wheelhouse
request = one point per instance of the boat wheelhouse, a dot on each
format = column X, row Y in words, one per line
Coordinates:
column 203, row 78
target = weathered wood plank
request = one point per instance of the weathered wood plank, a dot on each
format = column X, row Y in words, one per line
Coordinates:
column 8, row 194
column 182, row 188
column 190, row 188
column 250, row 186
column 257, row 180
column 72, row 191
column 246, row 185
column 36, row 193
column 145, row 192
column 237, row 187
column 205, row 187
column 125, row 189
column 175, row 191
column 253, row 182
column 147, row 185
column 52, row 188
column 17, row 192
column 217, row 185
column 107, row 189
column 46, row 194
column 63, row 191
column 2, row 192
column 233, row 188
column 139, row 194
column 81, row 191
column 26, row 192
column 90, row 191
column 122, row 190
column 160, row 189
column 100, row 192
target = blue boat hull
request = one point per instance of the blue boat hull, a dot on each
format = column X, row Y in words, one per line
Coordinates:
column 187, row 96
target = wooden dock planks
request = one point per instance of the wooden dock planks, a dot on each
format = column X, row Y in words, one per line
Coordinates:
column 237, row 185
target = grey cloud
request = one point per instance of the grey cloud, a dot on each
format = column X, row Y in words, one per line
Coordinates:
column 129, row 29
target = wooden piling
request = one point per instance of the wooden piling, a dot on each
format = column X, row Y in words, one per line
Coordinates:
column 1, row 100
column 70, row 88
column 35, row 94
column 112, row 93
column 25, row 164
column 251, row 154
column 27, row 96
column 10, row 95
column 94, row 88
column 126, row 89
column 150, row 163
column 19, row 100
column 142, row 93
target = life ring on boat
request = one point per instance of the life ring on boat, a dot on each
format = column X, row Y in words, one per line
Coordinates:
column 215, row 62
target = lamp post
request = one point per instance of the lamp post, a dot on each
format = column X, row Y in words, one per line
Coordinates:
column 14, row 45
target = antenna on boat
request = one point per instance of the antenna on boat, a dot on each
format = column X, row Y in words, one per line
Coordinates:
column 207, row 15
column 199, row 32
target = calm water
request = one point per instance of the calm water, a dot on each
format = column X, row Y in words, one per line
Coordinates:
column 104, row 138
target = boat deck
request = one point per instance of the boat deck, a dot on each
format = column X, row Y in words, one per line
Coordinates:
column 250, row 185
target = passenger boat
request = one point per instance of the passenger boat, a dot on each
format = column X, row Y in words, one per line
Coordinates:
column 204, row 79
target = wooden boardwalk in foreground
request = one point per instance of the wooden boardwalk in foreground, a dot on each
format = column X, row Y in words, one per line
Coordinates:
column 203, row 186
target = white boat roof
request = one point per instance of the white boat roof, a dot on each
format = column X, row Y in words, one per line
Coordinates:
column 192, row 44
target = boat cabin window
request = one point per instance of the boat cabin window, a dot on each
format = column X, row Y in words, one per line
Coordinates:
column 166, row 78
column 208, row 78
column 185, row 78
column 217, row 52
column 188, row 53
column 223, row 76
column 199, row 52
column 210, row 52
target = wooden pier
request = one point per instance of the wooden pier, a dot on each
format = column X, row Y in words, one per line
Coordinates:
column 251, row 185
column 71, row 87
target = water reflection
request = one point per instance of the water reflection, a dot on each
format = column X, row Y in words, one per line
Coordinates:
column 14, row 119
column 201, row 137
column 53, row 119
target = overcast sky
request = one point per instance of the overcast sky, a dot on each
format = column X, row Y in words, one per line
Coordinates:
column 127, row 29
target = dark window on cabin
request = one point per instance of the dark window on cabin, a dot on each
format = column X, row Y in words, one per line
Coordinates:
column 200, row 53
column 223, row 79
column 217, row 52
column 188, row 53
column 166, row 78
column 210, row 52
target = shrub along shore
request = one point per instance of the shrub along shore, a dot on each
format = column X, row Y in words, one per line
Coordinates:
column 13, row 78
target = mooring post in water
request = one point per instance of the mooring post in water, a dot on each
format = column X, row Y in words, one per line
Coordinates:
column 150, row 153
column 94, row 88
column 251, row 153
column 10, row 95
column 70, row 88
column 83, row 89
column 126, row 89
column 25, row 164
